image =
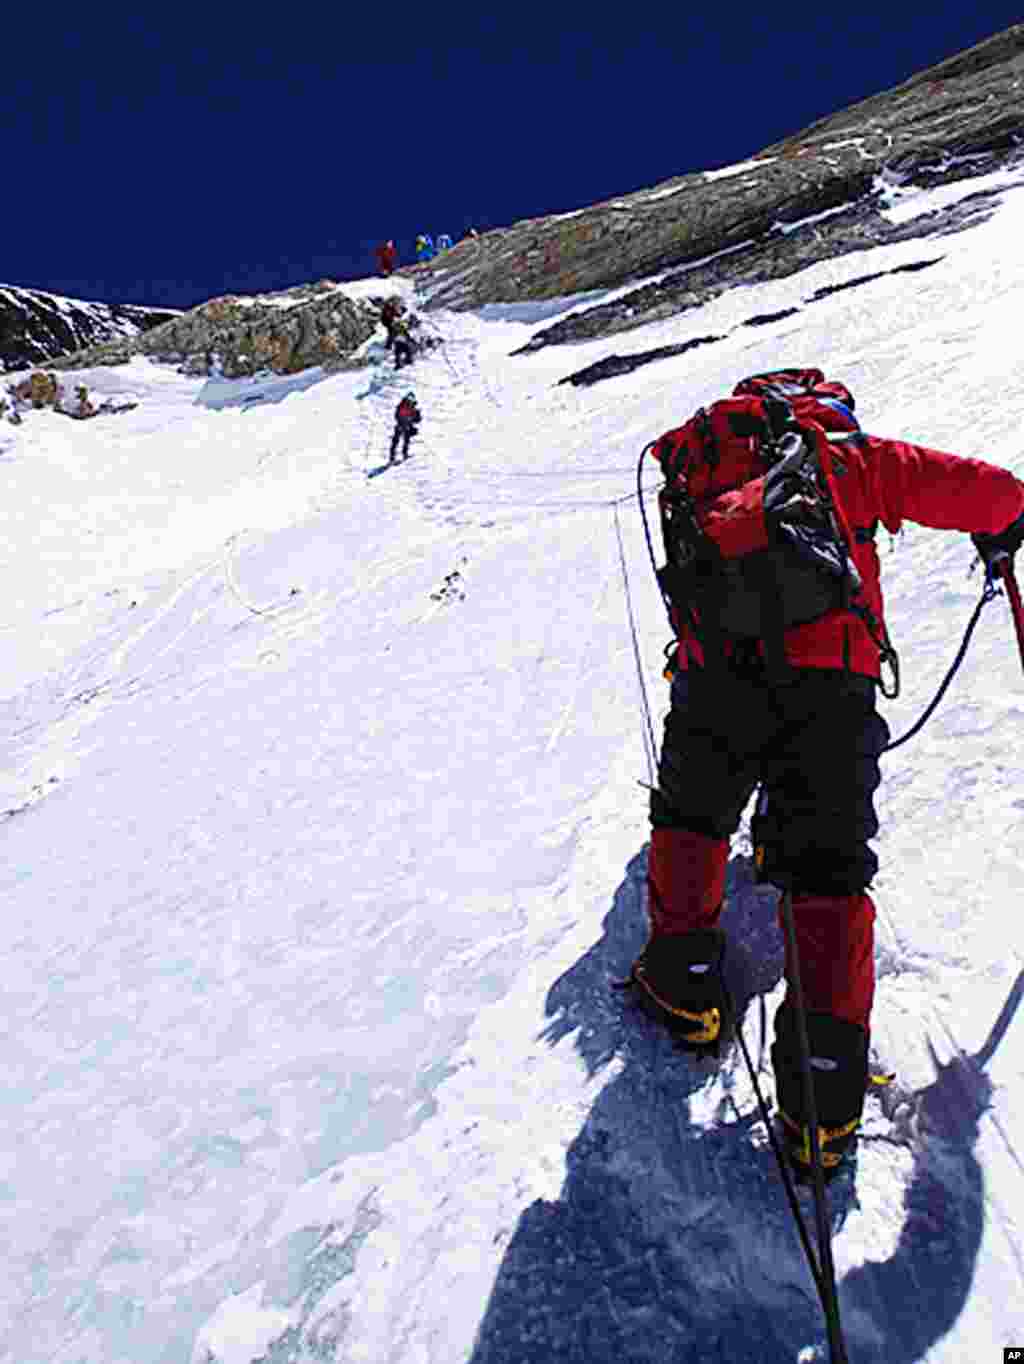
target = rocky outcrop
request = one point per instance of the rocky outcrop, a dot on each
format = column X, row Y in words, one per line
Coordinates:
column 243, row 336
column 43, row 389
column 39, row 390
column 38, row 327
column 238, row 336
column 821, row 193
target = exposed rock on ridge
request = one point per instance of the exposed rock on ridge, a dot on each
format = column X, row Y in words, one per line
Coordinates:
column 612, row 365
column 819, row 194
column 239, row 336
column 816, row 195
column 36, row 327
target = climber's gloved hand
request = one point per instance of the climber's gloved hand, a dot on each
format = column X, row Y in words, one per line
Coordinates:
column 993, row 548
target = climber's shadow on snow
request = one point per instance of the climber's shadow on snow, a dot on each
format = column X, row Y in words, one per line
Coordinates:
column 917, row 1294
column 671, row 1239
column 584, row 1001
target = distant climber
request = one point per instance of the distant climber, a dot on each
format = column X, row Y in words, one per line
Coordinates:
column 83, row 406
column 424, row 247
column 404, row 346
column 9, row 406
column 387, row 257
column 444, row 243
column 407, row 420
column 391, row 310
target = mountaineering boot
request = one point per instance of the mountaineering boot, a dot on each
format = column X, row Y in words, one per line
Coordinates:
column 678, row 975
column 839, row 1070
column 678, row 981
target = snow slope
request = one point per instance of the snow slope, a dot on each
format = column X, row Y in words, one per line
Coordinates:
column 324, row 839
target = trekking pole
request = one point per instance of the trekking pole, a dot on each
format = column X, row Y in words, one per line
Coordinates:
column 1004, row 570
column 827, row 1286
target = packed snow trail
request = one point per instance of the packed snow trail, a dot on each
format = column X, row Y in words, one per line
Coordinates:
column 311, row 914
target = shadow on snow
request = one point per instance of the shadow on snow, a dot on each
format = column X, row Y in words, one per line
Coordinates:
column 671, row 1239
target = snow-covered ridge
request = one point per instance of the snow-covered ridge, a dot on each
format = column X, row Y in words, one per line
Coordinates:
column 37, row 326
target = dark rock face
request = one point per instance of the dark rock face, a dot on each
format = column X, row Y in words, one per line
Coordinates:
column 816, row 195
column 612, row 365
column 36, row 327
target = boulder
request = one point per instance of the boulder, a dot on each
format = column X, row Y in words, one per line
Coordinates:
column 238, row 337
column 39, row 389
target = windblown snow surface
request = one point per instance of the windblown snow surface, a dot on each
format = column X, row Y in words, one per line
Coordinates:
column 325, row 839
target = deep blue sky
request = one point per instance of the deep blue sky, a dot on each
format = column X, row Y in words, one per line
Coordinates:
column 164, row 155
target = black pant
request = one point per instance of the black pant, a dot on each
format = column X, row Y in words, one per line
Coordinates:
column 814, row 745
column 404, row 432
column 403, row 352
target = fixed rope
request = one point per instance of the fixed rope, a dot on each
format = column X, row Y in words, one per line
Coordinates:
column 650, row 746
column 990, row 590
column 229, row 576
column 827, row 1274
column 787, row 1178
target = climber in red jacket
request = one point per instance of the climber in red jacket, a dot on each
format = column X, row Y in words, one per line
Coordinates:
column 774, row 583
column 387, row 257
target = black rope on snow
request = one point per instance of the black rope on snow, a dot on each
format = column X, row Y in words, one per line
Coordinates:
column 629, row 497
column 650, row 744
column 555, row 508
column 827, row 1274
column 448, row 362
column 990, row 591
column 647, row 529
column 780, row 1160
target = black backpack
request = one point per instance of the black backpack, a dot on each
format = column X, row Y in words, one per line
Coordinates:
column 755, row 540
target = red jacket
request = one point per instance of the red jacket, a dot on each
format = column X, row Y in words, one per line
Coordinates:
column 889, row 482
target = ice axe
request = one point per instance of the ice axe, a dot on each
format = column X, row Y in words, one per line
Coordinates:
column 1003, row 569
